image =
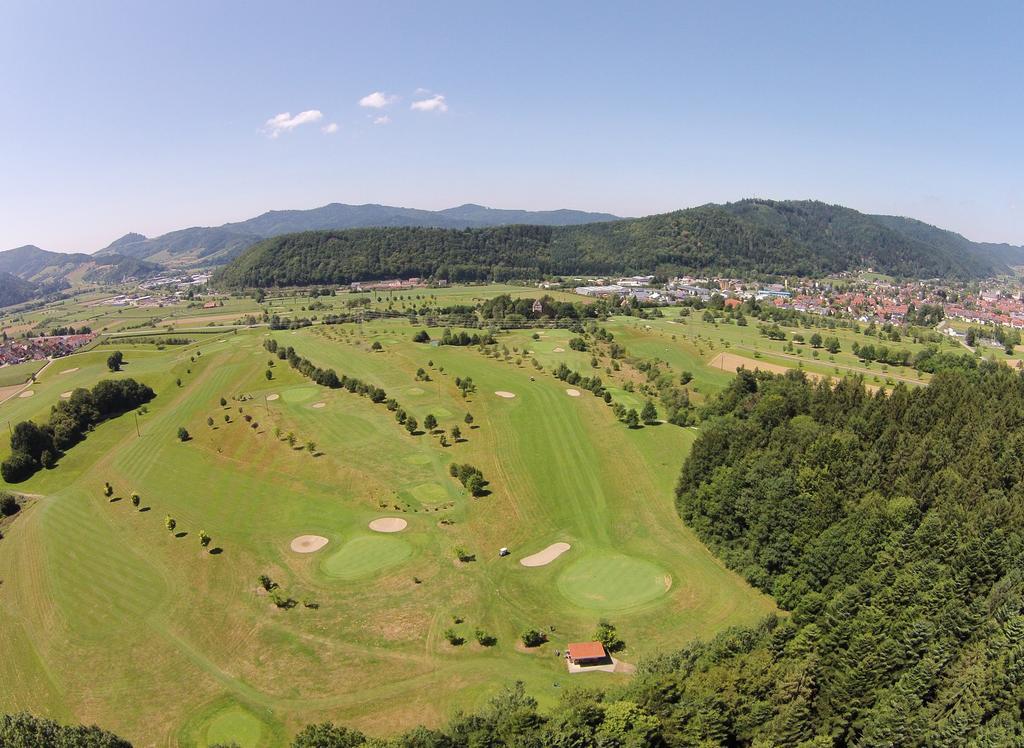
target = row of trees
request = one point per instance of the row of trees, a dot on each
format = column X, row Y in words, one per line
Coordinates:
column 34, row 446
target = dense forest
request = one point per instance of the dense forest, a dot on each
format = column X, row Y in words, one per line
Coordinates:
column 751, row 237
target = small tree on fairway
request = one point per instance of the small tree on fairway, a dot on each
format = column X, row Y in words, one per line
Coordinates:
column 533, row 638
column 136, row 500
column 108, row 490
column 291, row 439
column 277, row 432
column 204, row 539
column 608, row 636
column 170, row 523
column 227, row 418
column 178, row 381
column 430, row 423
column 456, row 433
column 476, row 484
column 468, row 419
column 182, row 434
column 270, row 374
column 223, row 402
column 114, row 361
column 649, row 414
column 209, row 420
column 632, row 419
column 410, row 425
column 377, row 346
column 311, row 447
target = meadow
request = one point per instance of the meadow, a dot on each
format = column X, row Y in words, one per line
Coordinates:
column 107, row 617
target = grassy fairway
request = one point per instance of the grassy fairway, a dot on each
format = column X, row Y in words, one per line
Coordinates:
column 107, row 617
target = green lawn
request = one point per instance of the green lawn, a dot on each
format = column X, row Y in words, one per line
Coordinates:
column 107, row 617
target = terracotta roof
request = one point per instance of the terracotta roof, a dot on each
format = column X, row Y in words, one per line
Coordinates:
column 586, row 651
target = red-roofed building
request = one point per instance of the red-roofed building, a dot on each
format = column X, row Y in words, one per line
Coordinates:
column 586, row 653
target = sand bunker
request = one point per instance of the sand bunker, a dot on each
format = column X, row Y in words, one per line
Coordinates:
column 68, row 371
column 389, row 524
column 572, row 393
column 559, row 350
column 549, row 554
column 503, row 393
column 319, row 405
column 65, row 395
column 273, row 397
column 27, row 393
column 308, row 543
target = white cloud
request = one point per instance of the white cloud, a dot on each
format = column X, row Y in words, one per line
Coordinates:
column 377, row 100
column 435, row 103
column 285, row 122
column 330, row 129
column 381, row 120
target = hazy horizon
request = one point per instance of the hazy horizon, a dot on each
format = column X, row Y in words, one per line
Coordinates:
column 200, row 114
column 443, row 207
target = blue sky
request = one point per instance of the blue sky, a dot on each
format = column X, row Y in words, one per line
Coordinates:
column 148, row 117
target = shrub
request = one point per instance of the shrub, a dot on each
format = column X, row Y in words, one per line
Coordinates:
column 8, row 504
column 453, row 638
column 183, row 435
column 533, row 638
column 17, row 467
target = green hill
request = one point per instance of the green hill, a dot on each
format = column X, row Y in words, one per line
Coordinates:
column 201, row 245
column 747, row 237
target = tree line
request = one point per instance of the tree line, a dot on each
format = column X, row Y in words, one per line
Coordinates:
column 35, row 446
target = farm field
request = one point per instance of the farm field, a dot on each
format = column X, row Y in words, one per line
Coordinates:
column 104, row 613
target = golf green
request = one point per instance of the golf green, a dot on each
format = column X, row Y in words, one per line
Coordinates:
column 366, row 555
column 234, row 726
column 298, row 394
column 612, row 581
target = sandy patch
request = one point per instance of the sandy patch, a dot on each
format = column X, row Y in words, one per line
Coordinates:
column 732, row 362
column 308, row 543
column 68, row 371
column 65, row 395
column 545, row 557
column 572, row 393
column 388, row 524
column 503, row 393
column 273, row 397
column 559, row 350
column 319, row 405
column 27, row 393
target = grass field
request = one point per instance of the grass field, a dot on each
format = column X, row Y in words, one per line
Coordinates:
column 107, row 617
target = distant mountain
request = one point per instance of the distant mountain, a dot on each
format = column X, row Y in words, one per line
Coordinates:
column 184, row 248
column 14, row 290
column 42, row 272
column 759, row 237
column 221, row 244
column 1003, row 254
column 30, row 261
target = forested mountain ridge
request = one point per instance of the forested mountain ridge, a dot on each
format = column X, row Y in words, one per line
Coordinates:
column 219, row 244
column 748, row 237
